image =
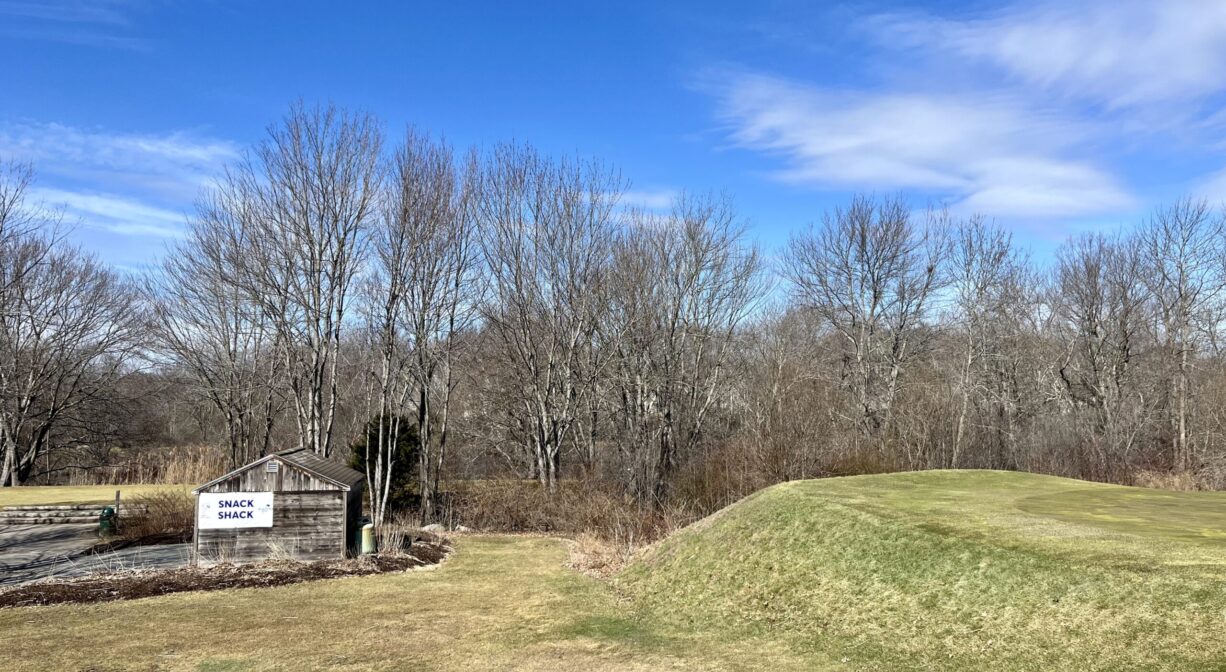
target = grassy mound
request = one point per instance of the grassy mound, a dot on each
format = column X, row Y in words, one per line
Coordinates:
column 956, row 570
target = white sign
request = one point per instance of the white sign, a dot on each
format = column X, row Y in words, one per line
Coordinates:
column 224, row 510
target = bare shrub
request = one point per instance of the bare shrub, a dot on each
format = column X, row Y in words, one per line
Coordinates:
column 723, row 476
column 398, row 534
column 1163, row 480
column 577, row 507
column 600, row 557
column 168, row 516
column 738, row 469
column 1213, row 475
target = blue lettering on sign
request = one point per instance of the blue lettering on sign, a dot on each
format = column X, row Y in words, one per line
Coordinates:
column 235, row 509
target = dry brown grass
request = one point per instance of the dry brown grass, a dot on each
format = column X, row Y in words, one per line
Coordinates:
column 1182, row 481
column 600, row 558
column 193, row 464
column 401, row 533
column 161, row 465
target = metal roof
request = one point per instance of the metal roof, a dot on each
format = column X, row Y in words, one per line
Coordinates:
column 324, row 469
column 328, row 470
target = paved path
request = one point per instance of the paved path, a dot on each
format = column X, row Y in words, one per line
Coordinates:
column 32, row 552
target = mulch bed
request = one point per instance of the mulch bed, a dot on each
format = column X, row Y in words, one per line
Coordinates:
column 150, row 583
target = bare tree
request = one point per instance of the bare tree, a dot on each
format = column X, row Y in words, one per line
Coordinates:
column 17, row 217
column 1100, row 303
column 789, row 409
column 424, row 295
column 313, row 186
column 210, row 328
column 389, row 389
column 1183, row 246
column 546, row 231
column 871, row 274
column 68, row 328
column 681, row 287
column 984, row 272
column 20, row 218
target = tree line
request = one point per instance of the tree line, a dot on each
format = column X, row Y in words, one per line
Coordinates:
column 508, row 314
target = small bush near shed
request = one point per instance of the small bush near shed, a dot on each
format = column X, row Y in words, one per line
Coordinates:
column 401, row 533
column 167, row 517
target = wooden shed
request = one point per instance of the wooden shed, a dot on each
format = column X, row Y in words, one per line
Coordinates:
column 290, row 504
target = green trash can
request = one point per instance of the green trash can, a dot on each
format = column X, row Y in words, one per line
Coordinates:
column 108, row 522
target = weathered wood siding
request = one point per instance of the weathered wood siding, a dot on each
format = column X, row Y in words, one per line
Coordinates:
column 287, row 478
column 306, row 526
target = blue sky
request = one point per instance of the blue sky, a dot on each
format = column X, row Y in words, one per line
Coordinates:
column 1050, row 117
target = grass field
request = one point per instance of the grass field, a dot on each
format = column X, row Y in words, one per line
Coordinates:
column 498, row 603
column 957, row 570
column 76, row 494
column 935, row 570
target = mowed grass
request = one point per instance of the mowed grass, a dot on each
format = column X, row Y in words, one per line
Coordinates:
column 498, row 603
column 938, row 570
column 956, row 570
column 77, row 494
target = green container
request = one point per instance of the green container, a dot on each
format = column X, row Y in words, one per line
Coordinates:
column 108, row 522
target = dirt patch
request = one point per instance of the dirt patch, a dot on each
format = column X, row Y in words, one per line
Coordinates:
column 150, row 583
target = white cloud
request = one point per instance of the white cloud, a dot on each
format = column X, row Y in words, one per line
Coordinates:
column 174, row 165
column 1121, row 53
column 654, row 199
column 990, row 154
column 70, row 12
column 92, row 23
column 114, row 213
column 1212, row 188
column 129, row 184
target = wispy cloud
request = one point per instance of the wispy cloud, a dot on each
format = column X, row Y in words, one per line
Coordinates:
column 1120, row 53
column 99, row 23
column 1035, row 109
column 982, row 152
column 98, row 11
column 116, row 214
column 131, row 184
column 179, row 157
column 1212, row 188
column 652, row 199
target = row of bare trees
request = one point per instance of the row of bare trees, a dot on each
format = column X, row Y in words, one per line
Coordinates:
column 508, row 314
column 69, row 327
column 947, row 347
